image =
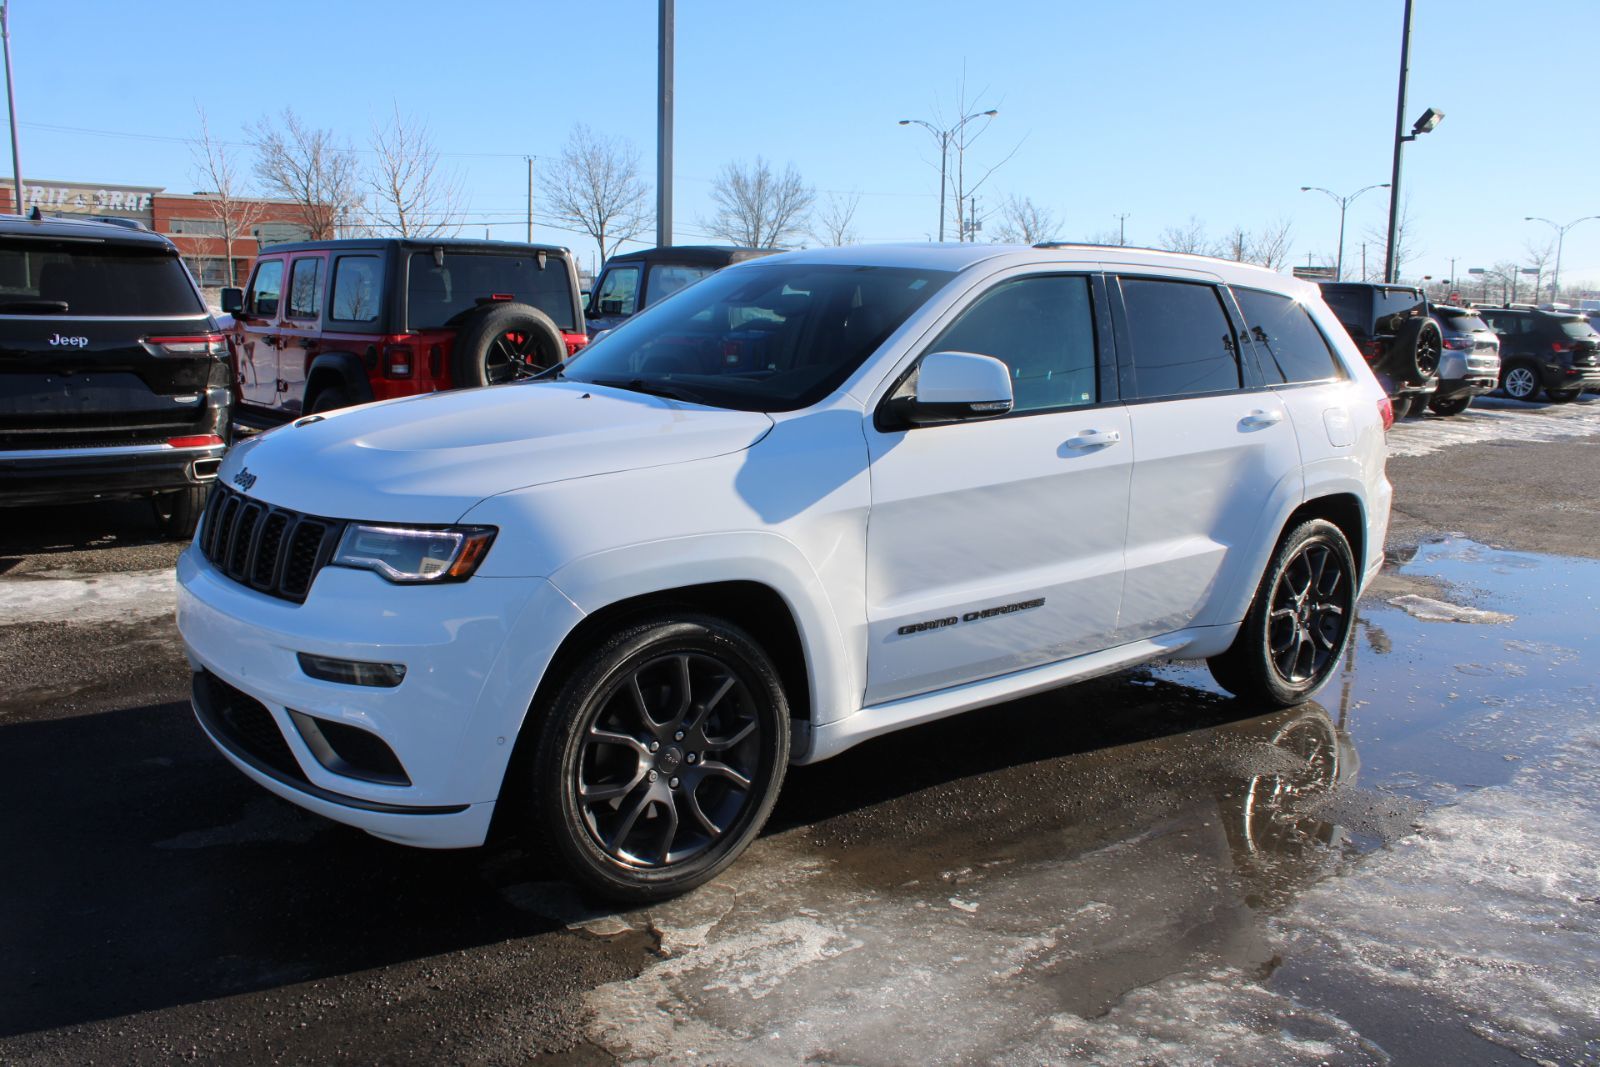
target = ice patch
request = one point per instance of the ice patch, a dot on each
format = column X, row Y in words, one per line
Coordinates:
column 1431, row 610
column 1494, row 420
column 126, row 597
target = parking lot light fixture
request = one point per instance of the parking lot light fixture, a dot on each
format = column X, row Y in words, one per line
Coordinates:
column 1344, row 203
column 1561, row 237
column 943, row 136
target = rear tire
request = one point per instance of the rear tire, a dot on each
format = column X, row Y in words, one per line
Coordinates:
column 659, row 758
column 330, row 399
column 502, row 343
column 1413, row 356
column 1299, row 622
column 1401, row 405
column 178, row 512
column 1454, row 405
column 1521, row 381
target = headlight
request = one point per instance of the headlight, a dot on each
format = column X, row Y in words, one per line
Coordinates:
column 406, row 554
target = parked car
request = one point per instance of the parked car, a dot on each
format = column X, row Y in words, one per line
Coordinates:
column 615, row 602
column 113, row 382
column 1469, row 365
column 327, row 324
column 632, row 281
column 1391, row 328
column 1558, row 352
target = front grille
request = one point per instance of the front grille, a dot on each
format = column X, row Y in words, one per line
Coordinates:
column 270, row 549
column 245, row 723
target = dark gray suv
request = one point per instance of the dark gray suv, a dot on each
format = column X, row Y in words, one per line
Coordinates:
column 1557, row 351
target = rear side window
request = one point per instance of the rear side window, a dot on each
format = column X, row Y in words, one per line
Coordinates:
column 265, row 289
column 357, row 281
column 441, row 296
column 1183, row 344
column 666, row 279
column 82, row 278
column 305, row 289
column 618, row 291
column 1578, row 328
column 1291, row 347
column 1043, row 329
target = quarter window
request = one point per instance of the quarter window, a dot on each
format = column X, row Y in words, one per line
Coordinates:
column 1291, row 347
column 356, row 281
column 305, row 294
column 266, row 289
column 1043, row 329
column 1183, row 344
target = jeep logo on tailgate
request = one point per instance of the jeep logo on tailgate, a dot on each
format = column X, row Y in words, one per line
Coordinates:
column 69, row 342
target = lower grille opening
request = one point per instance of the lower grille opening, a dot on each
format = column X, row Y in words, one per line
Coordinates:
column 350, row 750
column 245, row 723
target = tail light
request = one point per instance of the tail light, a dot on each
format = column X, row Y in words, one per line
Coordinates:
column 397, row 361
column 1372, row 350
column 1458, row 342
column 187, row 347
column 574, row 341
column 1386, row 413
column 199, row 440
column 1557, row 347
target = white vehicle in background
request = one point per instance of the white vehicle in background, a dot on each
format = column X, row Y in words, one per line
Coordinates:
column 813, row 499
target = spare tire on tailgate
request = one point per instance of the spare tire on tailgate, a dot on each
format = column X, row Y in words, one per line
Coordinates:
column 1413, row 355
column 504, row 342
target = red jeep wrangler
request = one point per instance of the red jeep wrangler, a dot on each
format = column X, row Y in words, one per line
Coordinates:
column 326, row 324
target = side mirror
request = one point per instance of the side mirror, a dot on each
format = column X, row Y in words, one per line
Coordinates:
column 956, row 387
column 232, row 301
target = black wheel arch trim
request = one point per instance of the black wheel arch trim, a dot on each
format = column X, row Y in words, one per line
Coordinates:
column 348, row 367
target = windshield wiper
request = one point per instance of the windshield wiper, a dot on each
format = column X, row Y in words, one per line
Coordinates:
column 44, row 307
column 639, row 385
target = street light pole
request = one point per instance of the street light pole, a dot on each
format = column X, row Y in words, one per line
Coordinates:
column 11, row 103
column 943, row 137
column 664, row 57
column 1561, row 237
column 1122, row 230
column 1344, row 203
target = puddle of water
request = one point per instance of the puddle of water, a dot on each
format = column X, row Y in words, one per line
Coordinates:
column 1137, row 867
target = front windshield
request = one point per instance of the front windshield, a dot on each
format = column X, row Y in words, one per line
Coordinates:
column 763, row 337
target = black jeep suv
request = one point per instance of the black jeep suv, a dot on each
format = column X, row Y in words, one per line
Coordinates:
column 1557, row 351
column 1402, row 345
column 113, row 378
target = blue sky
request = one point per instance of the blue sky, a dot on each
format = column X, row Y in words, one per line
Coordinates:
column 1162, row 110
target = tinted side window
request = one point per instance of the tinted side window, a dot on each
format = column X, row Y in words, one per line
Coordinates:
column 266, row 288
column 666, row 279
column 1183, row 344
column 618, row 291
column 305, row 289
column 1043, row 329
column 1292, row 348
column 356, row 284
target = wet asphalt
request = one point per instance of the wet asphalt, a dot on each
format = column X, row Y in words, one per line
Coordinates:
column 1136, row 869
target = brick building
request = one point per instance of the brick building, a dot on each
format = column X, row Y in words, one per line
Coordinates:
column 189, row 220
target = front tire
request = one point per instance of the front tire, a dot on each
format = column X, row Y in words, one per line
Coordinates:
column 1297, row 627
column 659, row 759
column 1454, row 405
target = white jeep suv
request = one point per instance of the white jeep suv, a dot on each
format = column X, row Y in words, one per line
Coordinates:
column 815, row 498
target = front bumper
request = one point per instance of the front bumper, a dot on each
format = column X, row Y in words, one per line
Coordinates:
column 76, row 475
column 473, row 651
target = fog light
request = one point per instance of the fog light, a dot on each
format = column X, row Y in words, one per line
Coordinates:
column 353, row 672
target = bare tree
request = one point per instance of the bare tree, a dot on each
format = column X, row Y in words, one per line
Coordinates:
column 1024, row 222
column 1236, row 245
column 1539, row 255
column 1270, row 248
column 1404, row 250
column 1189, row 237
column 834, row 222
column 310, row 167
column 411, row 195
column 757, row 208
column 1108, row 238
column 236, row 214
column 596, row 186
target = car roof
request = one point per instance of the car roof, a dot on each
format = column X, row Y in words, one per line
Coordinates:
column 720, row 255
column 84, row 229
column 415, row 244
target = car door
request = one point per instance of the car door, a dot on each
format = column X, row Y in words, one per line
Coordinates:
column 255, row 334
column 1210, row 447
column 997, row 545
column 299, row 335
column 616, row 297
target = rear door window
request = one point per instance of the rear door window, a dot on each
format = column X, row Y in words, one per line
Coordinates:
column 305, row 289
column 82, row 278
column 357, row 282
column 265, row 289
column 1043, row 330
column 443, row 295
column 1183, row 343
column 1291, row 347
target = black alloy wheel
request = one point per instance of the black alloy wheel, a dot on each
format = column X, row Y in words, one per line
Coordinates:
column 1454, row 405
column 511, row 357
column 1299, row 622
column 660, row 758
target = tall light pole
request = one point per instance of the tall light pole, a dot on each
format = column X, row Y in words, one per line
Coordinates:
column 1561, row 236
column 943, row 136
column 11, row 104
column 1344, row 203
column 664, row 47
column 1430, row 118
column 1122, row 229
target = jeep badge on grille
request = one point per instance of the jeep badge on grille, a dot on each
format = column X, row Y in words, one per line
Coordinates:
column 244, row 479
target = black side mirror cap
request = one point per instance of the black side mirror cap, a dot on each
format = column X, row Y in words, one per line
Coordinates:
column 232, row 301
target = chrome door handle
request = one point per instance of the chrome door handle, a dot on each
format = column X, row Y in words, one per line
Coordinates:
column 1094, row 439
column 1257, row 419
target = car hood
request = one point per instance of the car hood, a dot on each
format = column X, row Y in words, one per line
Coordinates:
column 429, row 459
